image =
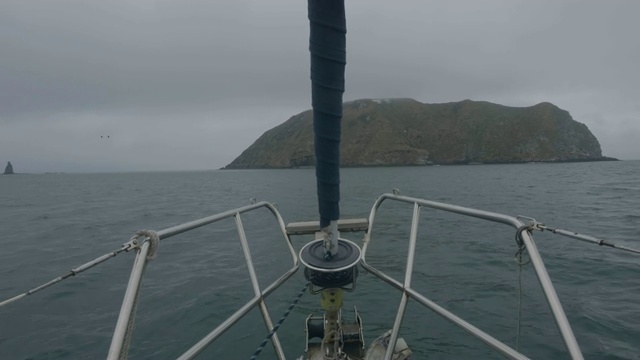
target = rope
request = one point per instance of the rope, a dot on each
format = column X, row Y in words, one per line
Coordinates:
column 337, row 351
column 520, row 265
column 154, row 241
column 277, row 326
column 518, row 259
column 124, row 351
column 519, row 232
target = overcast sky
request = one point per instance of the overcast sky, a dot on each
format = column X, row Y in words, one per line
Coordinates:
column 189, row 84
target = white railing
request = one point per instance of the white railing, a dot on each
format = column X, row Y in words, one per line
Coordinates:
column 408, row 292
column 124, row 325
column 122, row 332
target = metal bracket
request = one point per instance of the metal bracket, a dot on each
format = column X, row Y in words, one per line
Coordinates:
column 132, row 244
column 533, row 223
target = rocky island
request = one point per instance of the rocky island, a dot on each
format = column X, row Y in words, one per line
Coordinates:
column 397, row 132
column 8, row 170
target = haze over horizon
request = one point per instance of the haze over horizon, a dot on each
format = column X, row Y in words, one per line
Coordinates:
column 156, row 85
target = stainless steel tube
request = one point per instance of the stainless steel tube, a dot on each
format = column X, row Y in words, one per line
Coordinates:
column 543, row 277
column 256, row 287
column 552, row 298
column 130, row 297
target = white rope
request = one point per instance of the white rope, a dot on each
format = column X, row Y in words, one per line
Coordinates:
column 154, row 241
column 337, row 350
column 124, row 351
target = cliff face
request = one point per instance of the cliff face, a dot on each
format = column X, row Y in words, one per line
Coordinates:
column 407, row 132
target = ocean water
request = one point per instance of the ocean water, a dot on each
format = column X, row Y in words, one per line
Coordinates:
column 52, row 223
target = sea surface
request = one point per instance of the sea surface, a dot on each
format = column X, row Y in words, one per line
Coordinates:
column 51, row 223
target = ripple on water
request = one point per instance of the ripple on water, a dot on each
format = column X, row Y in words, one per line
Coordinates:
column 200, row 278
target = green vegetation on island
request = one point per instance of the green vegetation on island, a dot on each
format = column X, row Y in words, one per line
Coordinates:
column 396, row 132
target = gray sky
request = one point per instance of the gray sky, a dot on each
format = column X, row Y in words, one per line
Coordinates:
column 189, row 84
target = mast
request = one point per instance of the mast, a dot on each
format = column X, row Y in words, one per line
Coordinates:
column 330, row 262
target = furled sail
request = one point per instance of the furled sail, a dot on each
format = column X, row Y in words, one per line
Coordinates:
column 327, row 44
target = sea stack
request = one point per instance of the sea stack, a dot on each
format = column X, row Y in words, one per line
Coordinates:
column 9, row 169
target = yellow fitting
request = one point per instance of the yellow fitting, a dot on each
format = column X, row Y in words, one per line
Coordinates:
column 331, row 299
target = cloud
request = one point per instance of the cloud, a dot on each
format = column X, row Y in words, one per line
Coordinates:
column 200, row 80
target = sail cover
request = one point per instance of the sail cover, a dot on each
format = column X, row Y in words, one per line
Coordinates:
column 327, row 44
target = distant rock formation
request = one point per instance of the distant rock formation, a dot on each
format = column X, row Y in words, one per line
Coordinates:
column 393, row 132
column 8, row 170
